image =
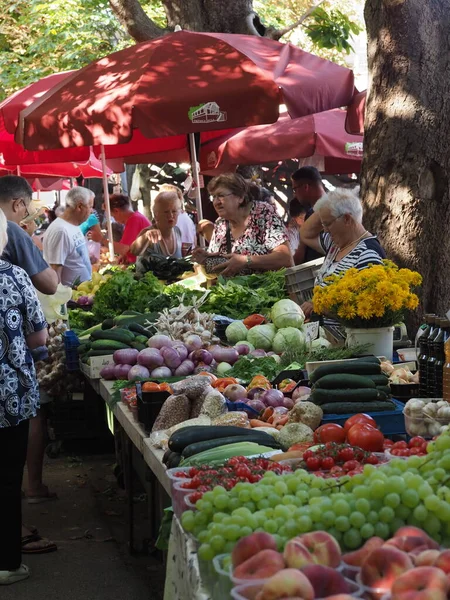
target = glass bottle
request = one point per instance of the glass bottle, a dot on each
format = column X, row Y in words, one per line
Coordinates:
column 423, row 353
column 436, row 374
column 446, row 371
column 434, row 342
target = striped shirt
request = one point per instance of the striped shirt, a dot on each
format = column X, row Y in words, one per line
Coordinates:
column 367, row 252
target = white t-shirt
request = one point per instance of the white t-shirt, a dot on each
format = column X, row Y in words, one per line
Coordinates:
column 64, row 244
column 187, row 228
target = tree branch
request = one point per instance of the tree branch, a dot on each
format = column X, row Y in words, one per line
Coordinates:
column 136, row 22
column 276, row 34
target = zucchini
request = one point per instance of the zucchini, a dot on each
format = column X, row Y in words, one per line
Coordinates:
column 139, row 329
column 370, row 359
column 138, row 345
column 90, row 353
column 385, row 388
column 126, row 320
column 320, row 396
column 201, row 433
column 108, row 345
column 344, row 380
column 217, row 456
column 89, row 331
column 108, row 324
column 173, row 460
column 379, row 379
column 129, row 313
column 344, row 408
column 262, row 438
column 117, row 334
column 355, row 367
column 166, row 456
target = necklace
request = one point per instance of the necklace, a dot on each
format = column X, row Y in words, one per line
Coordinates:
column 165, row 246
column 354, row 241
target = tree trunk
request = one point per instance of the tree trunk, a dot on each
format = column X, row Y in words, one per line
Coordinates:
column 406, row 166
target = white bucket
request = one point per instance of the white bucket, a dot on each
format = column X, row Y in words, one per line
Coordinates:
column 381, row 340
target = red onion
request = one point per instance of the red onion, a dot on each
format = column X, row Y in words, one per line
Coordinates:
column 186, row 368
column 161, row 373
column 235, row 391
column 150, row 358
column 258, row 353
column 242, row 349
column 202, row 367
column 228, row 355
column 280, row 410
column 202, row 356
column 108, row 372
column 193, row 342
column 159, row 341
column 288, row 403
column 257, row 405
column 300, row 392
column 125, row 357
column 272, row 398
column 171, row 357
column 121, row 371
column 255, row 393
column 138, row 372
column 181, row 349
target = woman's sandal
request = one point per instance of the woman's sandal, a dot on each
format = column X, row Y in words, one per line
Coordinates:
column 36, row 544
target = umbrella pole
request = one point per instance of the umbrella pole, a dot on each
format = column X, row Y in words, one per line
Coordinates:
column 18, row 170
column 195, row 175
column 107, row 206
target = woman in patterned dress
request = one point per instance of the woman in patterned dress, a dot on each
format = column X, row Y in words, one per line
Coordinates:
column 248, row 234
column 22, row 329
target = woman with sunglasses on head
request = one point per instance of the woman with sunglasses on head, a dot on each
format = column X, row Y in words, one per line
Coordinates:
column 336, row 231
column 248, row 235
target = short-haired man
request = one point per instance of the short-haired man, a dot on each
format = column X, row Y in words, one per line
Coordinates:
column 65, row 247
column 15, row 199
column 308, row 188
column 134, row 222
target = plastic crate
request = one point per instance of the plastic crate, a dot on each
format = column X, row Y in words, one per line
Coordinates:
column 390, row 422
column 149, row 405
column 76, row 417
column 71, row 343
column 300, row 280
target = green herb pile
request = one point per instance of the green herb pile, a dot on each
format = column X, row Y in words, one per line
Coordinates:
column 246, row 294
column 80, row 319
column 247, row 367
column 306, row 354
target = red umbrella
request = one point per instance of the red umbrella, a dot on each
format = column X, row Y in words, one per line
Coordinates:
column 321, row 136
column 182, row 83
column 355, row 113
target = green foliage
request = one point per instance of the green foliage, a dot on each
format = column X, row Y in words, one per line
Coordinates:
column 332, row 30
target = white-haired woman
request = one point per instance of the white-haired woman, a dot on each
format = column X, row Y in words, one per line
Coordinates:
column 22, row 329
column 336, row 230
column 165, row 237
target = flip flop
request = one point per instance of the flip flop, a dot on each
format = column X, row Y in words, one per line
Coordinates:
column 45, row 547
column 40, row 499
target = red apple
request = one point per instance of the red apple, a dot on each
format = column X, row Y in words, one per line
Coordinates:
column 322, row 546
column 421, row 583
column 297, row 554
column 427, row 558
column 382, row 567
column 250, row 545
column 410, row 531
column 325, row 580
column 286, row 583
column 260, row 566
column 356, row 558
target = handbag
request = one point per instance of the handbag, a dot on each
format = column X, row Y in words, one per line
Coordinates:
column 213, row 261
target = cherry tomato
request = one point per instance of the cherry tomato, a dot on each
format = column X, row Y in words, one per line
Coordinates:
column 331, row 432
column 308, row 454
column 415, row 451
column 400, row 445
column 388, row 444
column 350, row 465
column 354, row 472
column 359, row 418
column 313, row 463
column 404, row 452
column 337, row 469
column 416, row 442
column 327, row 463
column 372, row 459
column 346, row 454
column 366, row 437
column 319, row 474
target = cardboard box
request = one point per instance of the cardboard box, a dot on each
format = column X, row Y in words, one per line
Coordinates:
column 97, row 363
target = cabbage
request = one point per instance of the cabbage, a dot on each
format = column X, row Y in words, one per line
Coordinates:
column 288, row 338
column 286, row 313
column 320, row 342
column 261, row 336
column 236, row 332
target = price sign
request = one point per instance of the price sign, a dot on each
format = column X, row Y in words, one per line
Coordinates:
column 312, row 331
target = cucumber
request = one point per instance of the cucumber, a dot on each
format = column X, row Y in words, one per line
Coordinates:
column 126, row 320
column 141, row 339
column 362, row 395
column 173, row 460
column 355, row 367
column 108, row 324
column 371, row 359
column 217, row 456
column 117, row 335
column 139, row 329
column 201, row 433
column 138, row 345
column 89, row 331
column 379, row 379
column 263, row 438
column 129, row 313
column 385, row 388
column 344, row 408
column 96, row 353
column 108, row 345
column 344, row 380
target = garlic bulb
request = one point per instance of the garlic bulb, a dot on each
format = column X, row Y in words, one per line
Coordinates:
column 414, row 407
column 430, row 410
column 444, row 413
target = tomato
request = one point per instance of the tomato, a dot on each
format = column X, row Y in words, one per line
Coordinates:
column 151, row 386
column 416, row 442
column 354, row 472
column 331, row 432
column 337, row 469
column 259, row 381
column 366, row 437
column 301, row 446
column 287, row 385
column 253, row 320
column 327, row 463
column 388, row 444
column 404, row 452
column 313, row 463
column 165, row 387
column 346, row 454
column 308, row 454
column 415, row 451
column 221, row 384
column 359, row 418
column 400, row 445
column 350, row 465
column 372, row 460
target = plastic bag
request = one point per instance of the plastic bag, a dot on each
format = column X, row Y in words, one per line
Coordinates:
column 54, row 307
column 94, row 249
column 237, row 419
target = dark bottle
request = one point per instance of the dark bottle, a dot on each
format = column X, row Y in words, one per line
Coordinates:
column 423, row 353
column 435, row 341
column 436, row 377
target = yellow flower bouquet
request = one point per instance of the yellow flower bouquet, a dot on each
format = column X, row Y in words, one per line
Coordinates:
column 374, row 297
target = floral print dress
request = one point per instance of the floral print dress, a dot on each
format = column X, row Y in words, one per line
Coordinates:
column 20, row 315
column 265, row 232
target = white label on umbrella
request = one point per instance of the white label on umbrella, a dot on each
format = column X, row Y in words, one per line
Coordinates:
column 207, row 113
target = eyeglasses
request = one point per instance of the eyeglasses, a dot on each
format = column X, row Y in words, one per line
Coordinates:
column 296, row 187
column 27, row 212
column 328, row 225
column 219, row 196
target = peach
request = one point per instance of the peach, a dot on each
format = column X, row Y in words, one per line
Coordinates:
column 288, row 582
column 297, row 554
column 443, row 561
column 262, row 565
column 356, row 558
column 322, row 546
column 382, row 567
column 408, row 543
column 411, row 531
column 325, row 580
column 341, row 597
column 250, row 545
column 427, row 558
column 421, row 583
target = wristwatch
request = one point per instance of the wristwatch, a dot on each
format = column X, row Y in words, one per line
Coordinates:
column 249, row 260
